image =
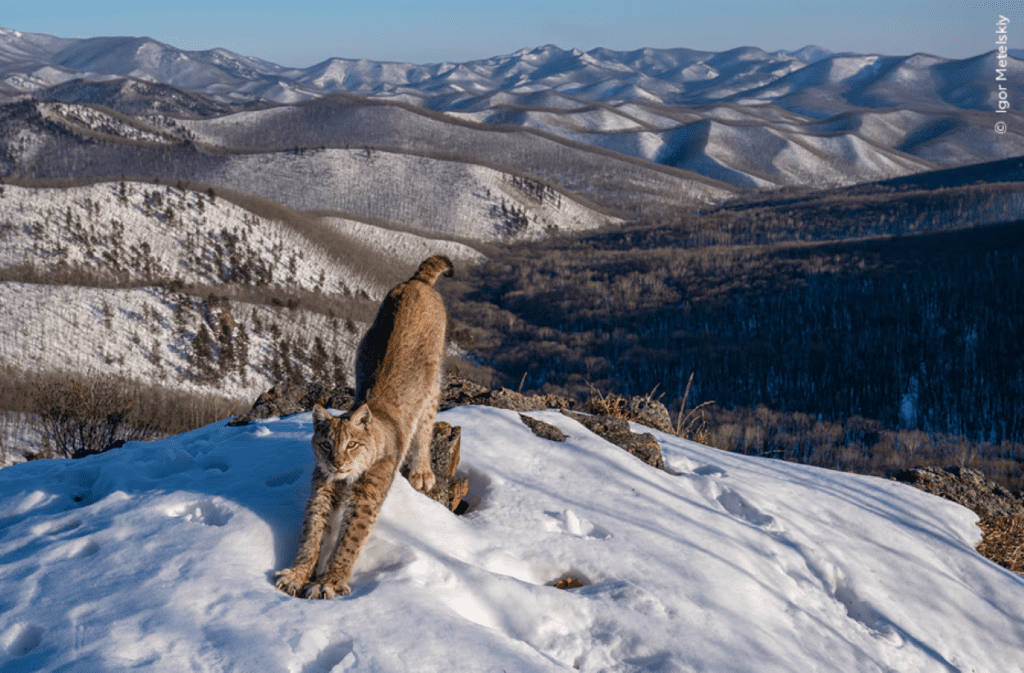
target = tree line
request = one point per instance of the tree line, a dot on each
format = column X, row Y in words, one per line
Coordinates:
column 919, row 333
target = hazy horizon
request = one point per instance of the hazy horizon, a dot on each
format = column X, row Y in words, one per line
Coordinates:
column 403, row 31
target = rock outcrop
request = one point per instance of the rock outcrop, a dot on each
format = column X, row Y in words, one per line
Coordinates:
column 617, row 431
column 1001, row 512
column 458, row 392
column 445, row 453
column 542, row 429
column 967, row 487
column 286, row 399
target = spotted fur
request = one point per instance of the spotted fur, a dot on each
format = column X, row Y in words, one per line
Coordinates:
column 398, row 387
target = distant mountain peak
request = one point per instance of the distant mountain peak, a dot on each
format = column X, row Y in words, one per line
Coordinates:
column 811, row 53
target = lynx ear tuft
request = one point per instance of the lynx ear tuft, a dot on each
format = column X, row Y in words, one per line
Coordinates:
column 362, row 415
column 320, row 415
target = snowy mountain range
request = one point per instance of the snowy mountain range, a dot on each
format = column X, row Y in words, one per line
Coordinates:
column 745, row 118
column 161, row 556
column 153, row 196
column 546, row 76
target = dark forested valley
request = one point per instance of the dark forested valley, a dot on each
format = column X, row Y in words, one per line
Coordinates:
column 915, row 331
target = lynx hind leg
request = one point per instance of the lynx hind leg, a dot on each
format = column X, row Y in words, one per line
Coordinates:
column 421, row 476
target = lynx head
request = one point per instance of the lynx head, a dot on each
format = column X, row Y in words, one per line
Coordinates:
column 343, row 446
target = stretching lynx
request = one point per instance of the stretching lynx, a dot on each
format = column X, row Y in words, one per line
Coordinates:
column 398, row 386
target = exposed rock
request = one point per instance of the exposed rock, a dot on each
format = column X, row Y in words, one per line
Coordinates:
column 286, row 399
column 639, row 408
column 458, row 392
column 542, row 429
column 651, row 413
column 616, row 430
column 606, row 422
column 445, row 453
column 1001, row 512
column 968, row 487
column 568, row 583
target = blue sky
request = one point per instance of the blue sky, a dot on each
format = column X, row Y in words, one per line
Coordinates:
column 303, row 32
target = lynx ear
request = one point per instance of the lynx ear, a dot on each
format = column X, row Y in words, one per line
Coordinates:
column 320, row 415
column 362, row 415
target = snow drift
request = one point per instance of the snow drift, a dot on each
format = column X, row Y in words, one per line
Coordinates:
column 161, row 556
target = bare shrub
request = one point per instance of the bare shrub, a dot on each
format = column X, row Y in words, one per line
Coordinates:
column 80, row 416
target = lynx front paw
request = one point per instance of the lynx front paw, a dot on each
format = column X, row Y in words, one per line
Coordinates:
column 290, row 581
column 327, row 590
column 422, row 481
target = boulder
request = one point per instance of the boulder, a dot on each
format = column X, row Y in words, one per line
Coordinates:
column 967, row 487
column 286, row 399
column 617, row 431
column 542, row 429
column 457, row 392
column 445, row 453
column 1000, row 511
column 639, row 408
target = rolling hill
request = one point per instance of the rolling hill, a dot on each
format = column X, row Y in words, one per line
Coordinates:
column 744, row 117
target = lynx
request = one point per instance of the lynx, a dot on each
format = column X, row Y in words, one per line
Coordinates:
column 398, row 386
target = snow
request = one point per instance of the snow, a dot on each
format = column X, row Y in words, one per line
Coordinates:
column 437, row 197
column 98, row 331
column 77, row 224
column 404, row 247
column 161, row 556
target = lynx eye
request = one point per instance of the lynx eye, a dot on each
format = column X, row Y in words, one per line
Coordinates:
column 324, row 446
column 350, row 446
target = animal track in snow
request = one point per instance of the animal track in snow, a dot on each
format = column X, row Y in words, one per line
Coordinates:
column 710, row 471
column 206, row 512
column 569, row 523
column 21, row 639
column 736, row 505
column 336, row 657
column 315, row 653
column 283, row 479
column 83, row 548
column 861, row 610
column 63, row 526
column 218, row 464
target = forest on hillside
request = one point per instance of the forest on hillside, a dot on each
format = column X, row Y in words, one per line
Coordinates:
column 915, row 332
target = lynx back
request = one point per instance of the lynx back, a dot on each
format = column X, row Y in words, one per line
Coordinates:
column 398, row 387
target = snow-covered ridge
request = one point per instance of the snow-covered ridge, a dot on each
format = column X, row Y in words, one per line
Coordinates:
column 766, row 110
column 163, row 555
column 96, row 282
column 148, row 335
column 670, row 76
column 161, row 233
column 92, row 120
column 647, row 103
column 440, row 197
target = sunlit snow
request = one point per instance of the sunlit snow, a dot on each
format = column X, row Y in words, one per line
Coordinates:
column 161, row 556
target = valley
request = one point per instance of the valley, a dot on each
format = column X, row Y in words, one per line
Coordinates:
column 833, row 235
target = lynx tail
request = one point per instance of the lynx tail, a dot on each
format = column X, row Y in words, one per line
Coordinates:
column 433, row 267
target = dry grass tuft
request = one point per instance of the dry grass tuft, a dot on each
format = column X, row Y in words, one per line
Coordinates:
column 694, row 425
column 1003, row 541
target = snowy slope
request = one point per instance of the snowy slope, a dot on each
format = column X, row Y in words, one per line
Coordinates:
column 162, row 232
column 138, row 334
column 89, row 274
column 161, row 556
column 450, row 198
column 585, row 97
column 401, row 246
